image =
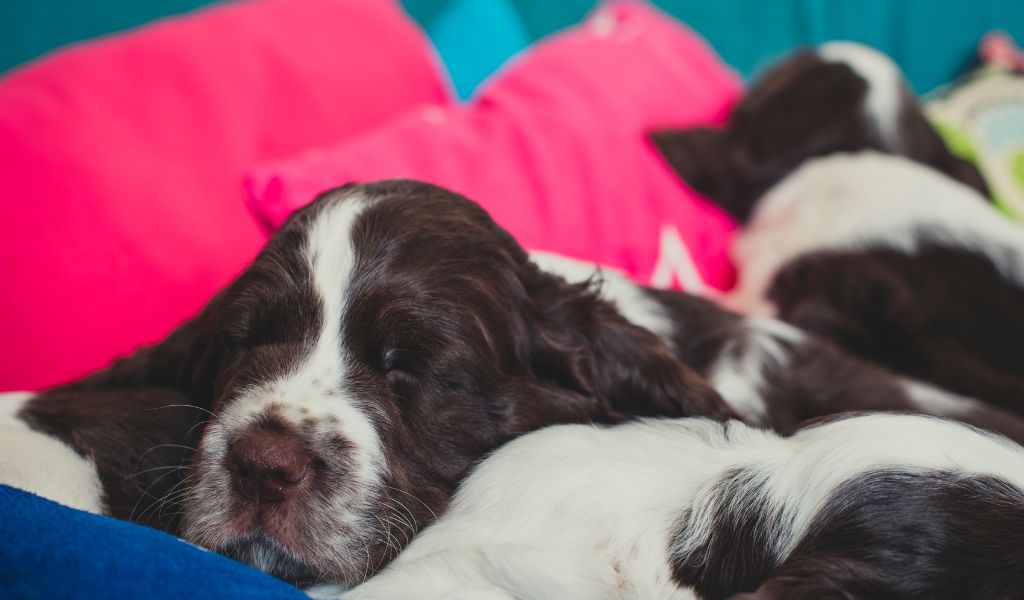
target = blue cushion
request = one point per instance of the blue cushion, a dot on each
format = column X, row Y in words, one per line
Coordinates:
column 54, row 552
column 472, row 53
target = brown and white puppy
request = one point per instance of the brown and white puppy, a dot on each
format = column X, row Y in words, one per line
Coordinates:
column 839, row 97
column 770, row 372
column 388, row 337
column 898, row 259
column 864, row 507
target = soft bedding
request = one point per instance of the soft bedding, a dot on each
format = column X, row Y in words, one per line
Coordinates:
column 54, row 552
column 555, row 148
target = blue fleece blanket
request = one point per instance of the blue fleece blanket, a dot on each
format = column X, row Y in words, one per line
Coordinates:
column 50, row 552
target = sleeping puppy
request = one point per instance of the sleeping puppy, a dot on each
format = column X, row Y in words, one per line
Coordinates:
column 840, row 97
column 771, row 373
column 899, row 260
column 898, row 264
column 873, row 506
column 387, row 338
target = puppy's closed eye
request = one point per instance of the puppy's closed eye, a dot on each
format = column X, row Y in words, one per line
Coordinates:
column 248, row 327
column 243, row 339
column 396, row 361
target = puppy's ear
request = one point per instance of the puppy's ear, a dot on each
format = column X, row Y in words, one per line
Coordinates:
column 965, row 172
column 922, row 142
column 640, row 374
column 138, row 421
column 698, row 155
column 708, row 161
column 581, row 344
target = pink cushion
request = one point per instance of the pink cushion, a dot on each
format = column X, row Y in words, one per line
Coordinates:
column 123, row 160
column 554, row 148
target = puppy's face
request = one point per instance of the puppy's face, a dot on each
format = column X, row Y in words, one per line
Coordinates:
column 388, row 337
column 841, row 97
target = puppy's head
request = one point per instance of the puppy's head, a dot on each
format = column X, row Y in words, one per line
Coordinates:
column 842, row 97
column 387, row 338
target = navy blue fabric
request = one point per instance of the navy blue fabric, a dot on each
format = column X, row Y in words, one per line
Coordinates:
column 52, row 552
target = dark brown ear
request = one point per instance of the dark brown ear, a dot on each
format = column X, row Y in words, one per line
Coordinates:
column 640, row 375
column 924, row 144
column 966, row 172
column 698, row 155
column 581, row 343
column 138, row 421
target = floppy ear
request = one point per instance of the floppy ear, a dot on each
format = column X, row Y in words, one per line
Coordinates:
column 640, row 375
column 707, row 161
column 138, row 421
column 965, row 172
column 698, row 155
column 924, row 144
column 582, row 344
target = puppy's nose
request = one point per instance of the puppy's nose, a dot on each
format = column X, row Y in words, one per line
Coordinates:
column 268, row 465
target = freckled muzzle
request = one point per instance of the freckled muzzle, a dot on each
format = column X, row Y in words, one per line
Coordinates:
column 280, row 488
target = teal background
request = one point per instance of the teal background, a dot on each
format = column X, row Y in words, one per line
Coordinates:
column 933, row 40
column 29, row 28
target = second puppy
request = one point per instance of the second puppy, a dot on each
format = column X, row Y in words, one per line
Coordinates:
column 859, row 224
column 877, row 506
column 771, row 373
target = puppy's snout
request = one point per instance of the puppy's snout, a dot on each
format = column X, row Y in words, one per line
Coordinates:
column 268, row 466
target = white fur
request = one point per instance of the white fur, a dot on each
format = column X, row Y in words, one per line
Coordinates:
column 935, row 401
column 583, row 512
column 313, row 389
column 630, row 298
column 862, row 201
column 885, row 85
column 42, row 464
column 738, row 373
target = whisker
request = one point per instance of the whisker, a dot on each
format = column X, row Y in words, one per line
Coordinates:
column 414, row 497
column 410, row 523
column 193, row 428
column 184, row 406
column 145, row 493
column 173, row 495
column 366, row 566
column 158, row 446
column 137, row 473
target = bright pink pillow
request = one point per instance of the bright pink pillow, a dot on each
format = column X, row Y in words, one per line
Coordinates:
column 122, row 162
column 554, row 148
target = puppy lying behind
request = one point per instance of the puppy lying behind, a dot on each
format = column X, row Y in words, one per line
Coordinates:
column 323, row 407
column 899, row 260
column 840, row 97
column 875, row 506
column 771, row 373
column 897, row 263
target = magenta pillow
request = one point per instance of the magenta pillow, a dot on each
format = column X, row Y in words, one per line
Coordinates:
column 122, row 162
column 554, row 147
